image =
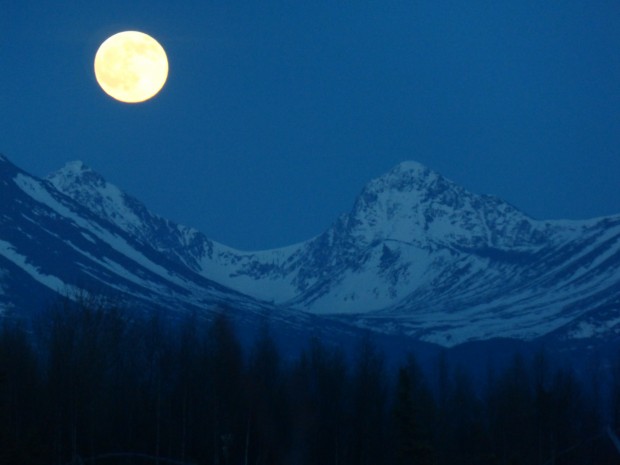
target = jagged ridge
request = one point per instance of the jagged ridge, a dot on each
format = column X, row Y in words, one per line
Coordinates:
column 417, row 254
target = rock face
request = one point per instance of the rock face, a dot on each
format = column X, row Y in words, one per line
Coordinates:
column 417, row 255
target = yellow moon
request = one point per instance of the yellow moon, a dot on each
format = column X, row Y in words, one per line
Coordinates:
column 131, row 66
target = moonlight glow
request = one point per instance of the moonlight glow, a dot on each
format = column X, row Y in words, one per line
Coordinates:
column 131, row 66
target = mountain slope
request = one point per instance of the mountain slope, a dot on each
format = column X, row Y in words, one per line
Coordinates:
column 261, row 274
column 417, row 255
column 56, row 245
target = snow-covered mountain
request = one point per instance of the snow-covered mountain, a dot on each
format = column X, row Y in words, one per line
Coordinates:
column 51, row 244
column 417, row 255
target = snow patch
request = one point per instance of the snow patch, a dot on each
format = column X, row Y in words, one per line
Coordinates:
column 52, row 282
column 591, row 329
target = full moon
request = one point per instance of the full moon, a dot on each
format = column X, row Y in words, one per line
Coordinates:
column 131, row 66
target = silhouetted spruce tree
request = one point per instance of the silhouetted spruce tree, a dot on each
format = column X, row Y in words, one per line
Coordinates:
column 267, row 425
column 405, row 421
column 225, row 394
column 319, row 388
column 190, row 383
column 570, row 423
column 20, row 401
column 157, row 364
column 369, row 397
column 468, row 441
column 413, row 416
column 513, row 416
column 543, row 405
column 124, row 387
column 615, row 393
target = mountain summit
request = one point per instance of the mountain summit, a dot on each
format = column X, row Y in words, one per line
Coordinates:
column 107, row 201
column 91, row 190
column 417, row 255
column 414, row 203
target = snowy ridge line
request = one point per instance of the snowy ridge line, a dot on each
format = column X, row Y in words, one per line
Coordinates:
column 431, row 232
column 416, row 254
column 37, row 192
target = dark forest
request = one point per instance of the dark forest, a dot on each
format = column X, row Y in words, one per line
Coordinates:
column 86, row 384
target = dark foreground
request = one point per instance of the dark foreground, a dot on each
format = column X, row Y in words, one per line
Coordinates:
column 85, row 384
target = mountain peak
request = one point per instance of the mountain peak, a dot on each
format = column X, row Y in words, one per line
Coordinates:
column 409, row 166
column 110, row 203
column 75, row 166
column 90, row 189
column 76, row 172
column 407, row 176
column 414, row 203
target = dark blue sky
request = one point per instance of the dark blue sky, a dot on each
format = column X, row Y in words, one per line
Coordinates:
column 275, row 114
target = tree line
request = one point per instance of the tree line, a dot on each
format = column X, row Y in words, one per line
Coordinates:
column 87, row 384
